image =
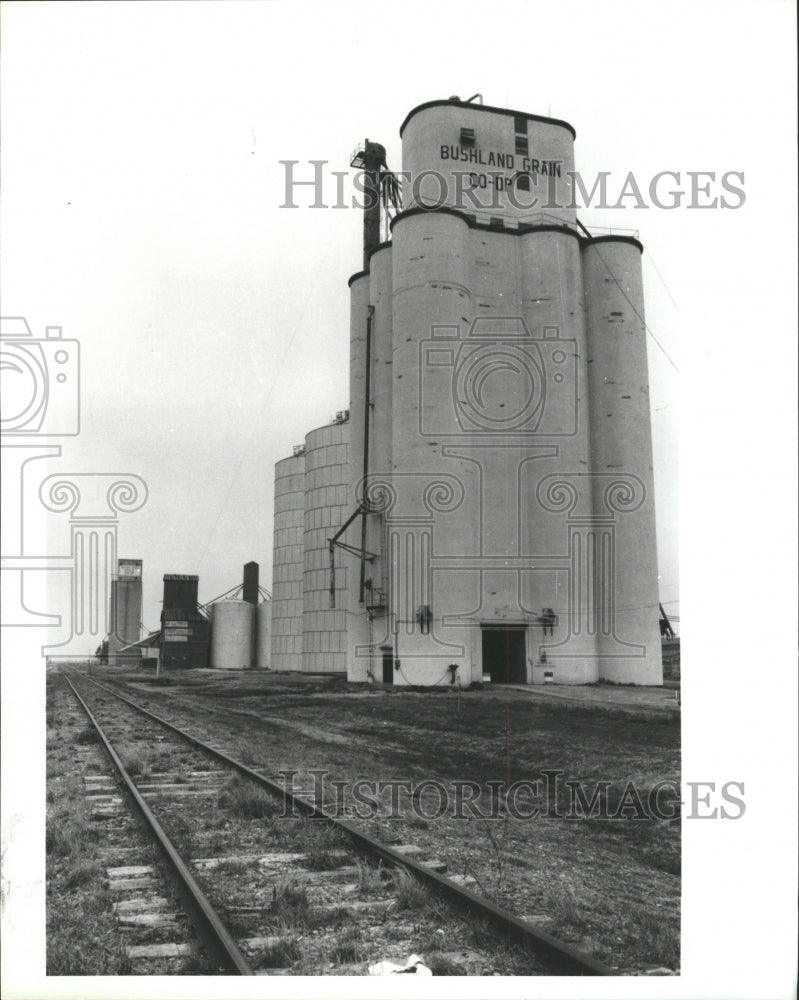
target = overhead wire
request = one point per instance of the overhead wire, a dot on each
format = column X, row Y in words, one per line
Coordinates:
column 638, row 314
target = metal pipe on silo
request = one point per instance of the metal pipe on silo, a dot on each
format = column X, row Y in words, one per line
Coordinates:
column 380, row 418
column 367, row 379
column 371, row 158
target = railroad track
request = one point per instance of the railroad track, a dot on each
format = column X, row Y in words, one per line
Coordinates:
column 270, row 881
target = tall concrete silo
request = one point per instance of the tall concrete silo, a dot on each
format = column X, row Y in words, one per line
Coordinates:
column 287, row 567
column 324, row 628
column 621, row 442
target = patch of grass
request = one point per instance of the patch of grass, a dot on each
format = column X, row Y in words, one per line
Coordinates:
column 323, row 861
column 183, row 834
column 565, row 906
column 244, row 800
column 244, row 753
column 349, row 947
column 217, row 842
column 280, row 955
column 233, row 866
column 322, row 843
column 417, row 823
column 68, row 834
column 82, row 937
column 371, row 881
column 409, row 894
column 136, row 765
column 440, row 965
column 329, row 918
column 657, row 939
column 435, row 941
column 79, row 942
column 289, row 901
column 87, row 736
column 81, row 873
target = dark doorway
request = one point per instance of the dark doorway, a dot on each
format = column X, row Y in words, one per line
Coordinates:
column 504, row 655
column 388, row 666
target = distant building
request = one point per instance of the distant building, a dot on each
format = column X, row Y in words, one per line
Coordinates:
column 184, row 628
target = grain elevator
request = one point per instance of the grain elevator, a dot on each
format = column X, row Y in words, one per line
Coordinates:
column 493, row 519
column 125, row 606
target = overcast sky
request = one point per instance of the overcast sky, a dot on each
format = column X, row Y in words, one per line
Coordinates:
column 141, row 212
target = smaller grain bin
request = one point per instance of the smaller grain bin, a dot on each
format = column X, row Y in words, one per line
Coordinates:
column 232, row 635
column 263, row 635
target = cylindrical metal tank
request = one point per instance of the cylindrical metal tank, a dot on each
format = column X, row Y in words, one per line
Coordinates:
column 324, row 629
column 232, row 635
column 263, row 635
column 287, row 563
column 621, row 438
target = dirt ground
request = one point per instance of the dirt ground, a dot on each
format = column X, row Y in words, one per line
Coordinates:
column 610, row 886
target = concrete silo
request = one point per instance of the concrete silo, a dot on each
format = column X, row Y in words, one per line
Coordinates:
column 324, row 628
column 621, row 442
column 287, row 570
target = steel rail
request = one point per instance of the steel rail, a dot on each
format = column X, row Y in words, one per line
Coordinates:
column 205, row 918
column 563, row 958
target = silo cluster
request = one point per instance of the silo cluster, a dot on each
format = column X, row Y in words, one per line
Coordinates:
column 499, row 491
